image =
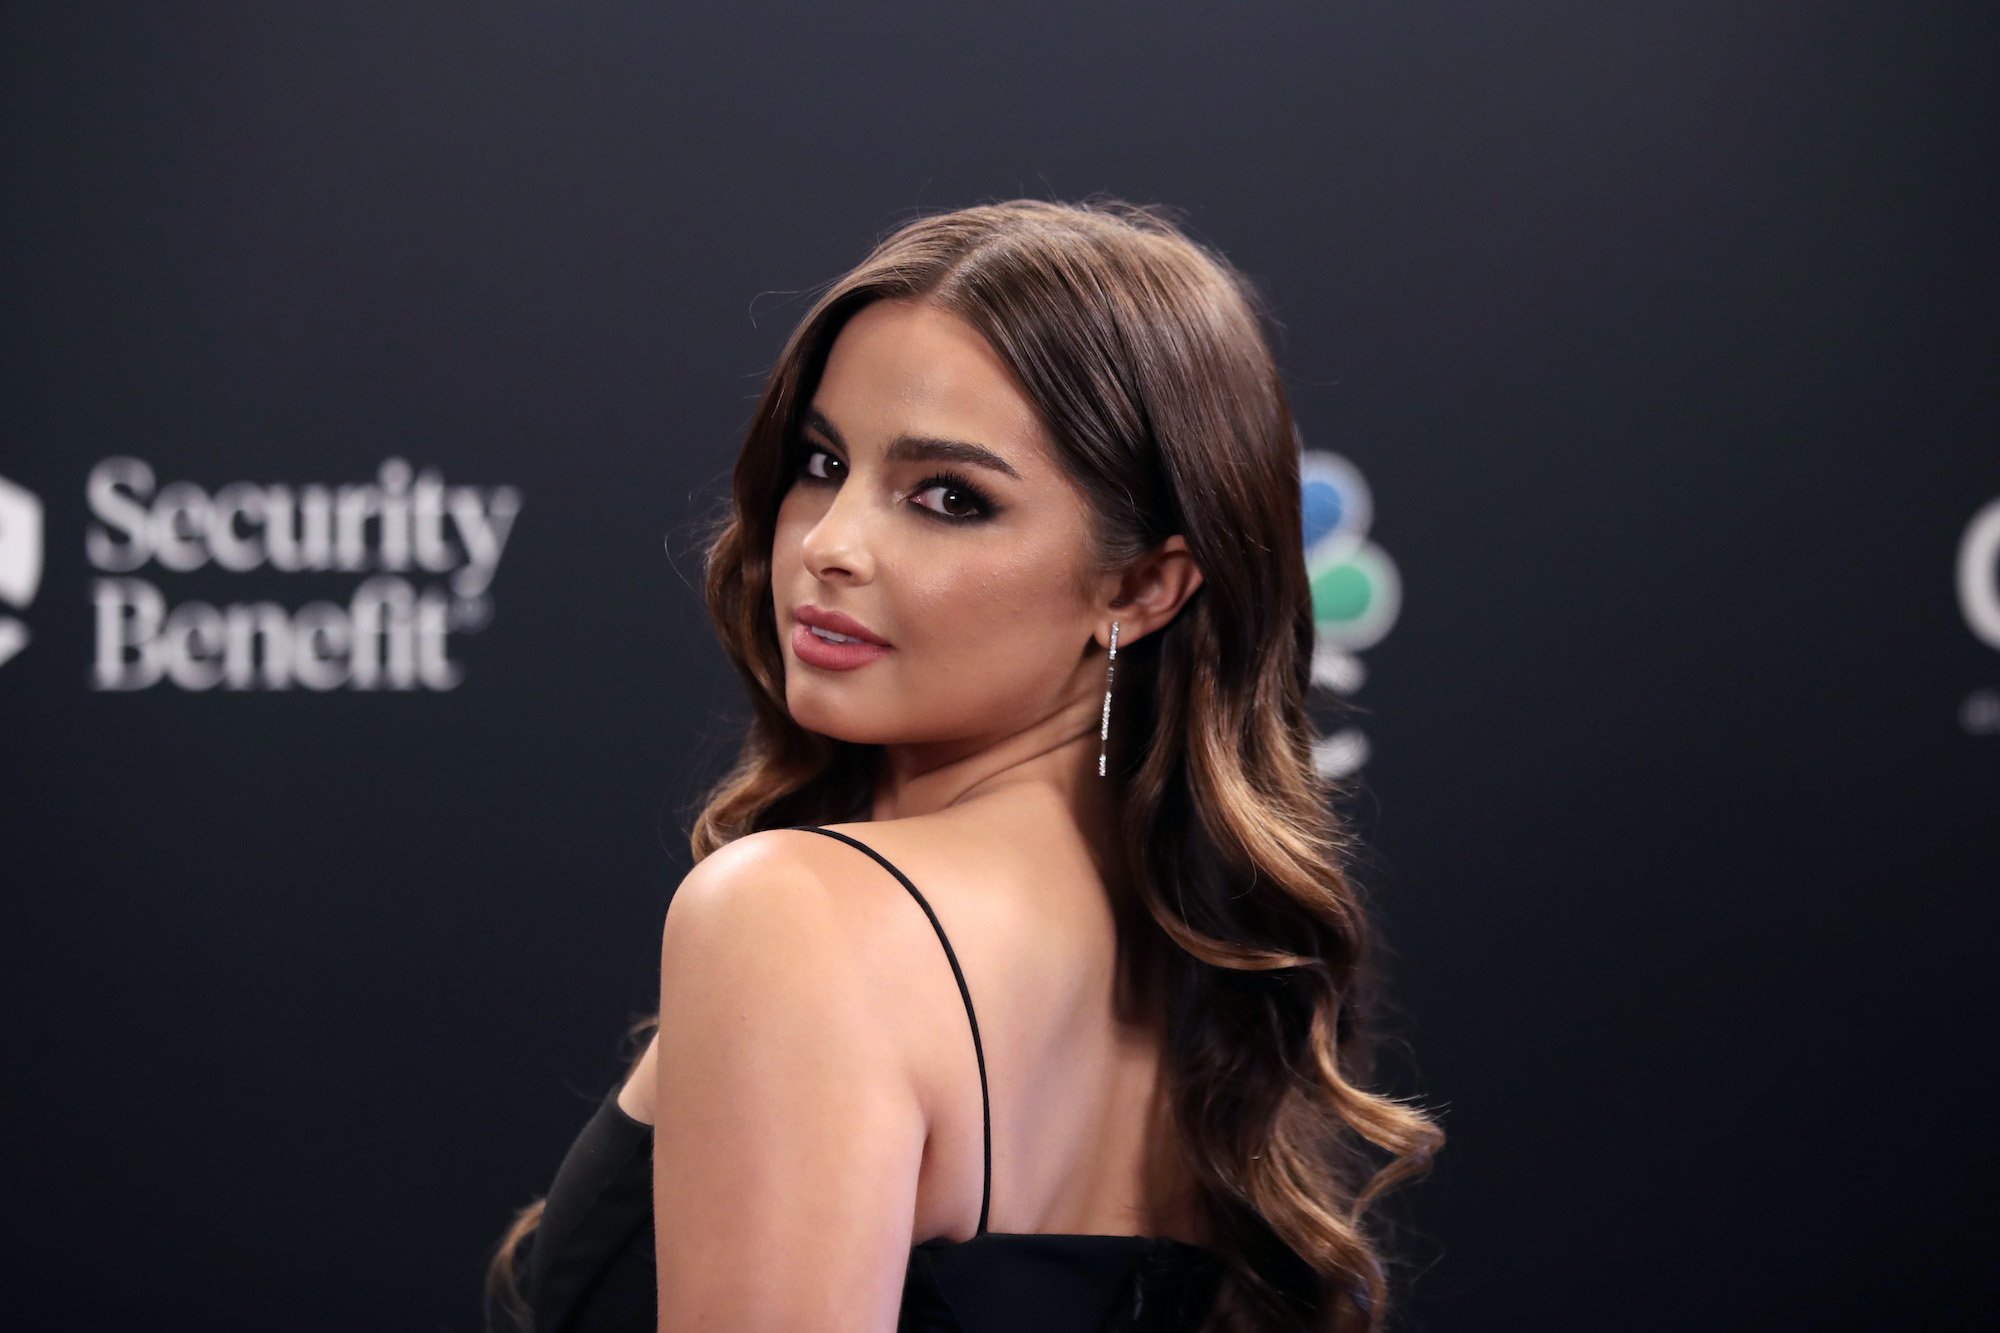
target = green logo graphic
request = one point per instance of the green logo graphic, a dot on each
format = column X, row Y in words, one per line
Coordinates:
column 1356, row 591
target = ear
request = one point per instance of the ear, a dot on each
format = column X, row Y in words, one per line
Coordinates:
column 1150, row 592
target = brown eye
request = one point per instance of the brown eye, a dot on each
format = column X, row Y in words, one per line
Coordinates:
column 802, row 461
column 965, row 492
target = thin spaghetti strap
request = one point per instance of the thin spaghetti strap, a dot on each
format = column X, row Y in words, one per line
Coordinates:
column 965, row 993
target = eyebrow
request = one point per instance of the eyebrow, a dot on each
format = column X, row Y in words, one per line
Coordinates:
column 925, row 448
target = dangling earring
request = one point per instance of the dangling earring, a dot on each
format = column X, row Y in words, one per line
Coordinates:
column 1104, row 723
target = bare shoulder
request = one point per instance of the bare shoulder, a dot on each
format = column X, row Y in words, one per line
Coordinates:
column 798, row 924
column 1010, row 900
column 790, row 884
column 1009, row 884
column 1016, row 900
column 772, row 908
column 1024, row 913
column 783, row 1095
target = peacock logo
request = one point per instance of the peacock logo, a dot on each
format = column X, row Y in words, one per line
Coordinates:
column 1356, row 592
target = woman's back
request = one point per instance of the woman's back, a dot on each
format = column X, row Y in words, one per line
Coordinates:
column 1050, row 1191
column 1073, row 1051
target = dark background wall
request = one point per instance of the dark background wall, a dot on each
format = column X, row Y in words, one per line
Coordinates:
column 1663, row 337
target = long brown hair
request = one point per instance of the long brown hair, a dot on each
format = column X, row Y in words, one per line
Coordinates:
column 1145, row 352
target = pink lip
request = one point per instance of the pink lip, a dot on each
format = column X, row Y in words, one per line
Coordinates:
column 836, row 623
column 815, row 651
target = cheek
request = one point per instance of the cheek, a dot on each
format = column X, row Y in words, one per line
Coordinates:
column 788, row 535
column 1005, row 611
column 789, row 529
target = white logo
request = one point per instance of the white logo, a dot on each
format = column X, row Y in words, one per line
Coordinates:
column 20, row 561
column 392, row 633
column 1979, row 574
column 1979, row 602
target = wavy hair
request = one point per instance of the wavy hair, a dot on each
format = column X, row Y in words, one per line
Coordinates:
column 1146, row 355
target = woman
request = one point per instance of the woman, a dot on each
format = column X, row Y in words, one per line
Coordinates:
column 1017, row 983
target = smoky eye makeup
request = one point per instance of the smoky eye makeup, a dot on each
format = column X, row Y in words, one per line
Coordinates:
column 799, row 453
column 804, row 450
column 955, row 483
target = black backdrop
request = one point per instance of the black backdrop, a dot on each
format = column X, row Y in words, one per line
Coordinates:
column 1663, row 337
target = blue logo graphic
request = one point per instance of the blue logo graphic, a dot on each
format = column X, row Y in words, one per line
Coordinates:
column 1356, row 592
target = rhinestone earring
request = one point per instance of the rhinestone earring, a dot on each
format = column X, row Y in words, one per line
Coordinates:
column 1104, row 722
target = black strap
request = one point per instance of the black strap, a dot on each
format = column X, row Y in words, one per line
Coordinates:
column 965, row 993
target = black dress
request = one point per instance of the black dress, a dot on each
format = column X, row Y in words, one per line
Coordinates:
column 591, row 1263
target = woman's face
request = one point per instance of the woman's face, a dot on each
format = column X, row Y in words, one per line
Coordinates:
column 975, row 580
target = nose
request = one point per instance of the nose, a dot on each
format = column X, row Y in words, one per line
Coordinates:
column 836, row 547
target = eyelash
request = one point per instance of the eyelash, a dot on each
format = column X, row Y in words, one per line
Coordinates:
column 956, row 481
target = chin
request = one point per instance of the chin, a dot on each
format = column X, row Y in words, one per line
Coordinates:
column 819, row 709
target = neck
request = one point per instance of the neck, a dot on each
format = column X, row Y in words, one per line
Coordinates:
column 1054, row 757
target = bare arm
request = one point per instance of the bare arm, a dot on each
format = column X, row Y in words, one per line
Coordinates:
column 788, row 1131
